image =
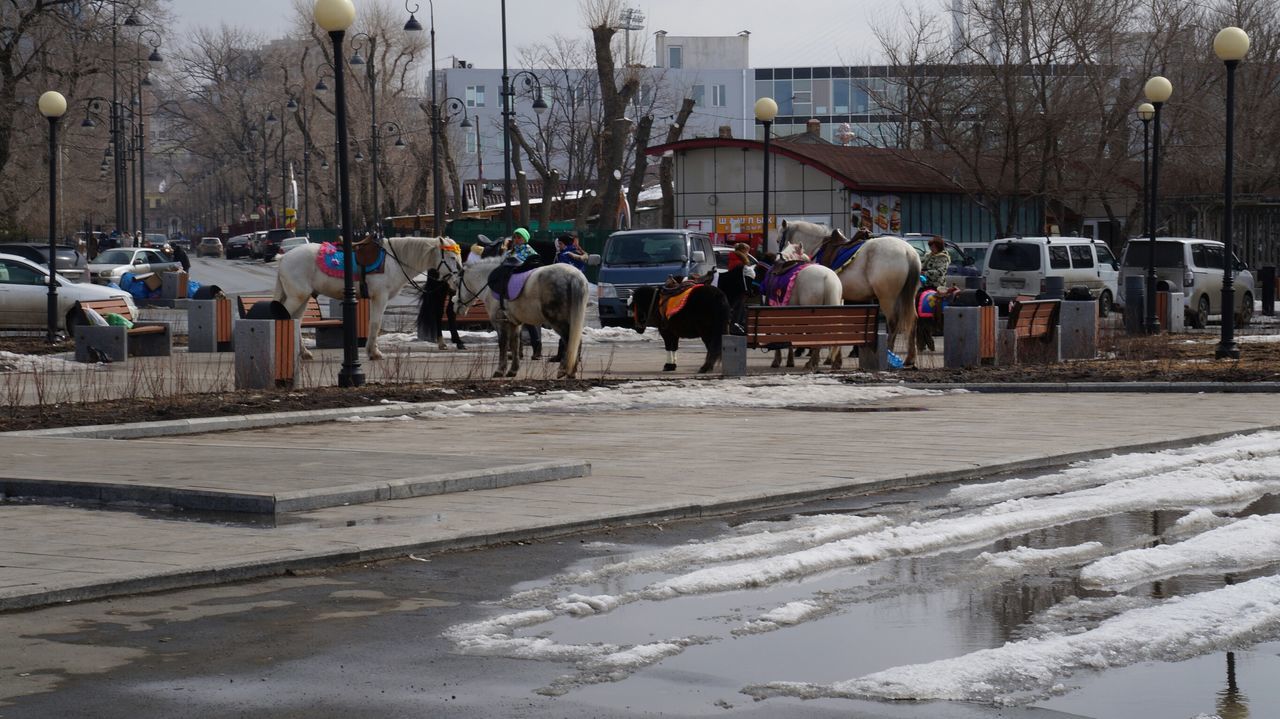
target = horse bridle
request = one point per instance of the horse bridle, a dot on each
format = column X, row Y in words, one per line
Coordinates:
column 652, row 304
column 474, row 296
column 391, row 250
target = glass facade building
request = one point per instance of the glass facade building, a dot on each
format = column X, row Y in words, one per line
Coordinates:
column 835, row 96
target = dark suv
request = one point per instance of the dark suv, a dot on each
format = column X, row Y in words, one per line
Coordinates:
column 271, row 243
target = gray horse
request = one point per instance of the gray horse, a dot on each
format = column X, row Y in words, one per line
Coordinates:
column 555, row 296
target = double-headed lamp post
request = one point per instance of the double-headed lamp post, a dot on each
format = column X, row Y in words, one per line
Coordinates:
column 766, row 110
column 335, row 16
column 1230, row 45
column 1158, row 90
column 509, row 116
column 53, row 106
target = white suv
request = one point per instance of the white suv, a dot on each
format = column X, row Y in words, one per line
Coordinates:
column 1193, row 266
column 1019, row 265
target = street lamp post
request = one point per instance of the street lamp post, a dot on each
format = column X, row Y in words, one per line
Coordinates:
column 1145, row 112
column 437, row 137
column 508, row 113
column 155, row 59
column 53, row 106
column 1231, row 44
column 766, row 110
column 371, row 74
column 1158, row 90
column 335, row 16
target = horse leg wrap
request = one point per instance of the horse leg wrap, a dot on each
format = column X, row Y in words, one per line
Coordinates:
column 670, row 366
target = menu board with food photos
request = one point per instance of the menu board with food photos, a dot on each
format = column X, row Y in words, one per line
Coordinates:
column 881, row 214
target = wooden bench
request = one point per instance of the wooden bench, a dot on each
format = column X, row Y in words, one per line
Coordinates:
column 328, row 329
column 149, row 339
column 816, row 326
column 1030, row 320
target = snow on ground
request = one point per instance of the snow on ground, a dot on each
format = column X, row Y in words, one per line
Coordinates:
column 1073, row 635
column 590, row 336
column 13, row 362
column 1232, row 482
column 746, row 393
column 1093, row 472
column 1247, row 544
column 1194, row 522
column 1177, row 629
column 1026, row 559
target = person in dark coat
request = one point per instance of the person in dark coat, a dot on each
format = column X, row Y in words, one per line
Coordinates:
column 436, row 299
column 176, row 253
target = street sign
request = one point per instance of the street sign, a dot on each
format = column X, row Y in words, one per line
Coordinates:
column 243, row 218
column 253, row 216
column 225, row 229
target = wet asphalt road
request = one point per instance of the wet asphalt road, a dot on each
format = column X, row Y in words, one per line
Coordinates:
column 354, row 643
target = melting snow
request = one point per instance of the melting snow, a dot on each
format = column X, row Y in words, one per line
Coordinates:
column 13, row 362
column 1179, row 628
column 1246, row 544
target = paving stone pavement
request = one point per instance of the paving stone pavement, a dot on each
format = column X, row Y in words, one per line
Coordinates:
column 647, row 465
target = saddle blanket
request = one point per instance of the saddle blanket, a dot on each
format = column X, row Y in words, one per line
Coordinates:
column 836, row 257
column 932, row 302
column 672, row 304
column 329, row 260
column 515, row 285
column 777, row 285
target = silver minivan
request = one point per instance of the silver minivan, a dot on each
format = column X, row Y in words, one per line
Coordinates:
column 1018, row 266
column 1193, row 266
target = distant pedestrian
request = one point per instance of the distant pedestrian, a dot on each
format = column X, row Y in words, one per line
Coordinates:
column 176, row 253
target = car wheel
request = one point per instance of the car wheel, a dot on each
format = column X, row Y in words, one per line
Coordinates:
column 1105, row 304
column 1245, row 315
column 1200, row 319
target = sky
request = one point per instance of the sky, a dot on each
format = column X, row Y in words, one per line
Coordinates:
column 816, row 32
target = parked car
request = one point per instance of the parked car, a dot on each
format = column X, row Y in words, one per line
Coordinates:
column 109, row 266
column 290, row 243
column 962, row 264
column 211, row 246
column 635, row 258
column 270, row 241
column 237, row 246
column 157, row 240
column 1019, row 265
column 71, row 263
column 24, row 295
column 1194, row 268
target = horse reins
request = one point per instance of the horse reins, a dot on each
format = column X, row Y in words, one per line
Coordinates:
column 391, row 250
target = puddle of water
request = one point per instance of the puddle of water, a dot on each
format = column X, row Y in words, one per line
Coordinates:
column 908, row 611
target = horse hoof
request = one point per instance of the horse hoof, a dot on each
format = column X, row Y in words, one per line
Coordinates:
column 499, row 373
column 669, row 367
column 704, row 370
column 511, row 373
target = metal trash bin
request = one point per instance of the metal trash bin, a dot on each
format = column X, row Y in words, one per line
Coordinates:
column 1135, row 293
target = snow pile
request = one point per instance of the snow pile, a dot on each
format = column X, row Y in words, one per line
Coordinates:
column 480, row 338
column 1246, row 544
column 1195, row 522
column 1074, row 615
column 747, row 393
column 1178, row 629
column 1091, row 473
column 397, row 418
column 1028, row 559
column 1227, row 483
column 14, row 362
column 787, row 615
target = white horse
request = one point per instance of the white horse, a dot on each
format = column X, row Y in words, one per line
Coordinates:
column 298, row 278
column 814, row 285
column 553, row 295
column 886, row 269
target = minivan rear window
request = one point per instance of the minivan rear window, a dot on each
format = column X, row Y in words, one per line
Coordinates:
column 1014, row 256
column 1168, row 254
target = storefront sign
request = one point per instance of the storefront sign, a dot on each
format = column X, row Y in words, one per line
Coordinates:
column 877, row 213
column 743, row 224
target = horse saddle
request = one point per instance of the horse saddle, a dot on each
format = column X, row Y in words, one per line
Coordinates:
column 369, row 254
column 672, row 301
column 779, row 280
column 369, row 258
column 507, row 279
column 836, row 252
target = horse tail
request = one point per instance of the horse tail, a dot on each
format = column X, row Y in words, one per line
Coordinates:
column 903, row 321
column 577, row 320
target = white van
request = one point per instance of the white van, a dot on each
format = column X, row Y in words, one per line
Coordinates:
column 1019, row 265
column 1193, row 266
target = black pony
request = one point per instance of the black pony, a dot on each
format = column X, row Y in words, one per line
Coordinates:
column 705, row 314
